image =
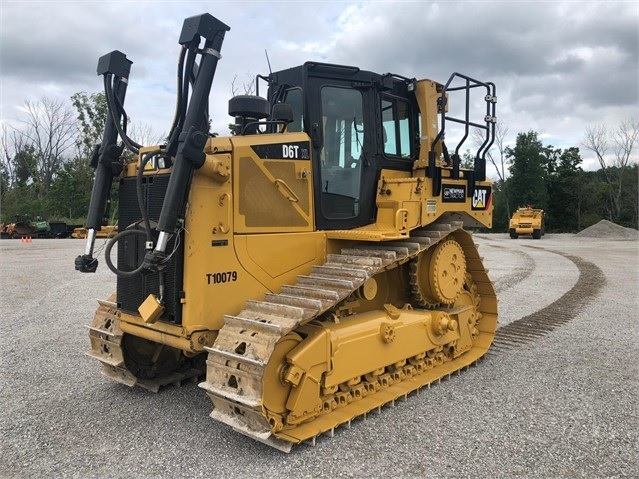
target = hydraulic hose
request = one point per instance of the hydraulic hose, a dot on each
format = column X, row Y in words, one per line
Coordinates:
column 113, row 108
column 129, row 232
column 106, row 157
column 194, row 131
column 174, row 131
column 109, row 247
column 140, row 195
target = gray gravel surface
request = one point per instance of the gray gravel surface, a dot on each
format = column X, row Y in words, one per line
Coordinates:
column 563, row 405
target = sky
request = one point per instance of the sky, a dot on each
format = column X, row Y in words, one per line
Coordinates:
column 559, row 66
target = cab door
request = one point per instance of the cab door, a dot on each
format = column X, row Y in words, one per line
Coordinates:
column 342, row 129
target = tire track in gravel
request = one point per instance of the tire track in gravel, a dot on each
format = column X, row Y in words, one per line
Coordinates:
column 518, row 274
column 540, row 323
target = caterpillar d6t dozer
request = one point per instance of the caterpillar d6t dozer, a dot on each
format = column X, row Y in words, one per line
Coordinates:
column 313, row 265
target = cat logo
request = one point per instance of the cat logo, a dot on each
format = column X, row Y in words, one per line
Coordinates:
column 481, row 198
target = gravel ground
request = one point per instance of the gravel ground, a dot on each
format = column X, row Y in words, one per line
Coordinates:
column 563, row 405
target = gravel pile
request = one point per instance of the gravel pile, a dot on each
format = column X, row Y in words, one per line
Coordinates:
column 607, row 229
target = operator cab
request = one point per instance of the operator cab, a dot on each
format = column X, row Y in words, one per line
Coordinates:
column 359, row 123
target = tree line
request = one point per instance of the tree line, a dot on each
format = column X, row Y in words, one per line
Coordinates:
column 45, row 162
column 45, row 169
column 531, row 173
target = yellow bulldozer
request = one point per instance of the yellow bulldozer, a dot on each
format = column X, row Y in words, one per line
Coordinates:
column 527, row 220
column 312, row 266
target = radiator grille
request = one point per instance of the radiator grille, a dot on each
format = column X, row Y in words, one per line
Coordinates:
column 131, row 292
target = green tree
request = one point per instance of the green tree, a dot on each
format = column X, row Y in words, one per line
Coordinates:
column 22, row 195
column 467, row 160
column 25, row 166
column 92, row 112
column 526, row 185
column 501, row 213
column 633, row 195
column 593, row 198
column 72, row 192
column 562, row 182
column 629, row 199
column 4, row 185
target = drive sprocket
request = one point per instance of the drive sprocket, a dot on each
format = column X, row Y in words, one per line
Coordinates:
column 438, row 276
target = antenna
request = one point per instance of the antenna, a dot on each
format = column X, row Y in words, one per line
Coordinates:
column 268, row 61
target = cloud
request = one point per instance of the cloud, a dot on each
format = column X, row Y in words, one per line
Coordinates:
column 558, row 66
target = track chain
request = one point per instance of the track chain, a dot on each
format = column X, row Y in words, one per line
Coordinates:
column 106, row 346
column 237, row 362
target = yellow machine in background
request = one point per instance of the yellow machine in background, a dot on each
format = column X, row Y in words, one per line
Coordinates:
column 314, row 264
column 527, row 221
column 104, row 232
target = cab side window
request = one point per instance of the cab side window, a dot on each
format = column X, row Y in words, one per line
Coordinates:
column 294, row 98
column 396, row 128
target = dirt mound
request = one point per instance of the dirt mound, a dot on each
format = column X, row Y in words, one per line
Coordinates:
column 607, row 229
